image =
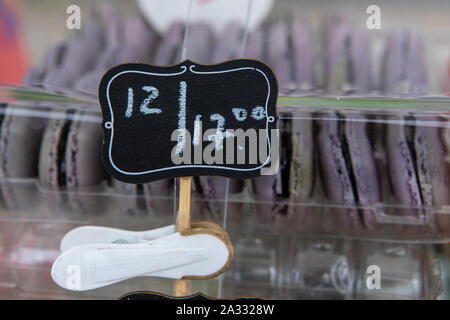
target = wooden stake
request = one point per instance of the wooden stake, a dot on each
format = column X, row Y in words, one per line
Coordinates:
column 184, row 210
column 183, row 224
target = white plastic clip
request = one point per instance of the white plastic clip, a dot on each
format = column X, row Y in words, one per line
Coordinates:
column 93, row 257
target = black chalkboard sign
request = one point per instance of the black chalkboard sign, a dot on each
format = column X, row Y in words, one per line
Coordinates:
column 189, row 120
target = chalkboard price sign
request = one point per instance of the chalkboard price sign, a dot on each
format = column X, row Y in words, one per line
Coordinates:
column 189, row 120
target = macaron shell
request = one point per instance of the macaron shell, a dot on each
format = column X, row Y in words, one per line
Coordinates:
column 48, row 172
column 49, row 160
column 344, row 154
column 363, row 166
column 404, row 74
column 84, row 169
column 401, row 166
column 334, row 172
column 361, row 153
column 377, row 133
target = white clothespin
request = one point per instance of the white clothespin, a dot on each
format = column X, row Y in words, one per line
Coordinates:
column 93, row 257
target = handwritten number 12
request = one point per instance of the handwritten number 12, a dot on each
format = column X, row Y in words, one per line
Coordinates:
column 153, row 93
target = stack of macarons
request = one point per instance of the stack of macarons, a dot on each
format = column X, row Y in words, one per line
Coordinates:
column 415, row 149
column 349, row 164
column 76, row 66
column 348, row 161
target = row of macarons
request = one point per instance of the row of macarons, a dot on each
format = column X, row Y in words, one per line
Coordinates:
column 344, row 159
column 350, row 160
column 339, row 61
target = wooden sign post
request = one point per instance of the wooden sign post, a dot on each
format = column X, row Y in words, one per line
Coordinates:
column 183, row 224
